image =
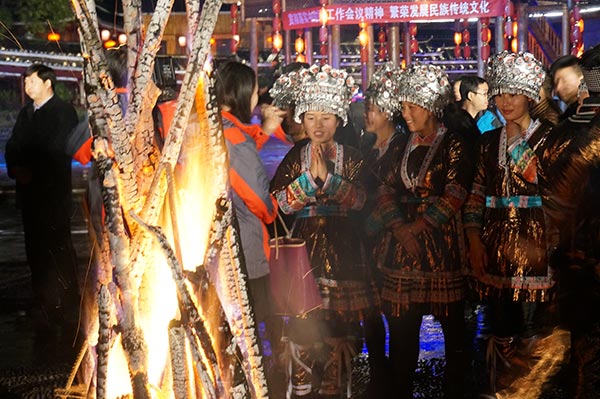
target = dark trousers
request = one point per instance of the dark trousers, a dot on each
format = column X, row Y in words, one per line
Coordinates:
column 53, row 264
column 51, row 257
column 379, row 367
column 404, row 348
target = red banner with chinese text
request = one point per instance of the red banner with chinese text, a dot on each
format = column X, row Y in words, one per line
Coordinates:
column 347, row 14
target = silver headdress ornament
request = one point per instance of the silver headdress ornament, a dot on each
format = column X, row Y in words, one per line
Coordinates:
column 384, row 88
column 427, row 86
column 591, row 78
column 590, row 68
column 285, row 89
column 515, row 73
column 324, row 89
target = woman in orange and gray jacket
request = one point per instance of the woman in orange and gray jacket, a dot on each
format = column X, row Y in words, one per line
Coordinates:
column 255, row 207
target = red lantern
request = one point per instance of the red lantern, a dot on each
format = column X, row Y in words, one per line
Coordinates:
column 486, row 35
column 414, row 46
column 508, row 28
column 412, row 29
column 323, row 34
column 466, row 36
column 457, row 51
column 485, row 52
column 575, row 34
column 276, row 23
column 467, row 52
column 509, row 8
column 323, row 51
column 382, row 53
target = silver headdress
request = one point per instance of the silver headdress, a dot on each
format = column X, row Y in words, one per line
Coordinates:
column 384, row 88
column 323, row 88
column 515, row 73
column 285, row 89
column 590, row 68
column 427, row 86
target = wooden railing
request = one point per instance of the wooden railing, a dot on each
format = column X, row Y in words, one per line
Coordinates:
column 543, row 41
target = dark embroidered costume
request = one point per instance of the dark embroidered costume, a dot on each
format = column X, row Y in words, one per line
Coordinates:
column 324, row 219
column 571, row 156
column 505, row 204
column 429, row 181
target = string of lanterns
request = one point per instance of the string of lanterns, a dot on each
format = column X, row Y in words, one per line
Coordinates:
column 323, row 32
column 576, row 23
column 382, row 53
column 414, row 43
column 511, row 28
column 235, row 37
column 277, row 38
column 457, row 40
column 466, row 36
column 486, row 37
column 299, row 46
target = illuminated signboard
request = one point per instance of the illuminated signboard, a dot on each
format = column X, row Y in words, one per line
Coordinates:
column 346, row 14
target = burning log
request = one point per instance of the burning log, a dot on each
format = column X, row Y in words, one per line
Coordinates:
column 181, row 385
column 186, row 303
column 230, row 273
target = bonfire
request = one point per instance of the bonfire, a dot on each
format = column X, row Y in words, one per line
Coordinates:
column 169, row 315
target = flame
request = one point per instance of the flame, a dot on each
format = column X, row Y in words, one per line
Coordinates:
column 195, row 194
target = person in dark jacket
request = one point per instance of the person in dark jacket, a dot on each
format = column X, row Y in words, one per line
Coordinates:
column 37, row 159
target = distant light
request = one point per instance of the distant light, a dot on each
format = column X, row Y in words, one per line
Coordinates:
column 110, row 43
column 554, row 14
column 363, row 37
column 105, row 35
column 122, row 38
column 53, row 36
column 323, row 16
column 182, row 41
column 277, row 41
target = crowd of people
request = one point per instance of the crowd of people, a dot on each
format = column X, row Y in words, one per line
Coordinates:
column 447, row 198
column 479, row 190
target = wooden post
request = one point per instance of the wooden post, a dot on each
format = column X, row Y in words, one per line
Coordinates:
column 394, row 43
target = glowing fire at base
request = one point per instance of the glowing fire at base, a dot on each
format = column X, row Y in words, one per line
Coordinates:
column 172, row 317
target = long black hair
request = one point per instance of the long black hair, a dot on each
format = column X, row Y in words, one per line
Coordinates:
column 235, row 85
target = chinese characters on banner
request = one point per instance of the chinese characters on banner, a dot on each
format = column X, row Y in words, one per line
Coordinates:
column 346, row 14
